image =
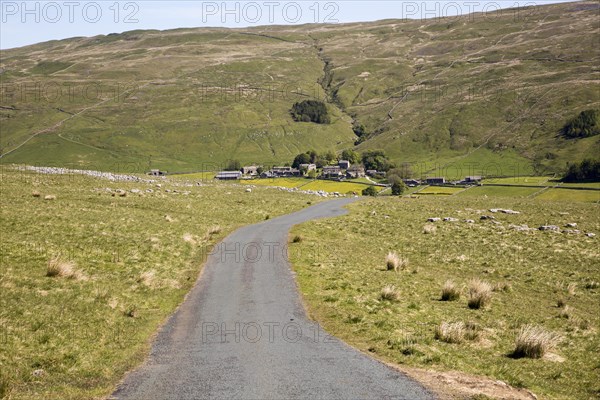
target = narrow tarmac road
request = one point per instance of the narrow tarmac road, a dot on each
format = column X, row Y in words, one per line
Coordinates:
column 242, row 333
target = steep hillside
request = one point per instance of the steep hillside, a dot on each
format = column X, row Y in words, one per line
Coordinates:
column 477, row 94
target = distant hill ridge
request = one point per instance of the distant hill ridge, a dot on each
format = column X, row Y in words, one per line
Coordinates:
column 485, row 94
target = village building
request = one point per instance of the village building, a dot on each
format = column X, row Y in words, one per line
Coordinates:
column 308, row 167
column 411, row 182
column 156, row 172
column 436, row 181
column 473, row 179
column 251, row 170
column 355, row 171
column 344, row 164
column 282, row 172
column 229, row 175
column 331, row 172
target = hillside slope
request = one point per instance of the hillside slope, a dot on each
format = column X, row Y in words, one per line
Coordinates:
column 476, row 94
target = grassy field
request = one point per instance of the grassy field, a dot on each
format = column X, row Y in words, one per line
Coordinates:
column 341, row 187
column 440, row 190
column 500, row 191
column 545, row 279
column 570, row 195
column 277, row 182
column 121, row 265
column 521, row 180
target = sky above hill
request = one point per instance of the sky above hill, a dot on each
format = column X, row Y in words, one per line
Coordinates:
column 29, row 22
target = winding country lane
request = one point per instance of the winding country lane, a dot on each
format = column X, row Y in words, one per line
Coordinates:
column 242, row 333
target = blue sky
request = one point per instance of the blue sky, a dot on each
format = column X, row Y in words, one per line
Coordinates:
column 28, row 22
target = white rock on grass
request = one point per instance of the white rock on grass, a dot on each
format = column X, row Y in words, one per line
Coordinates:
column 552, row 228
column 434, row 219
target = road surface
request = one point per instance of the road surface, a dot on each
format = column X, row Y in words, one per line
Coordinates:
column 242, row 333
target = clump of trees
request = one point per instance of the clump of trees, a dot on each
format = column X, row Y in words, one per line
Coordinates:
column 310, row 111
column 360, row 131
column 586, row 124
column 377, row 160
column 370, row 191
column 312, row 157
column 373, row 159
column 586, row 171
column 351, row 156
column 395, row 178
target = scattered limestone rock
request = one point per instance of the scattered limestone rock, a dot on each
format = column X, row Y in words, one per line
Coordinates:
column 519, row 228
column 470, row 221
column 36, row 194
column 571, row 225
column 510, row 212
column 487, row 217
column 450, row 219
column 435, row 219
column 168, row 218
column 135, row 191
column 590, row 234
column 248, row 190
column 38, row 372
column 552, row 228
column 50, row 197
column 571, row 231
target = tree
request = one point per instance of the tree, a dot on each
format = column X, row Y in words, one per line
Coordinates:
column 586, row 124
column 376, row 160
column 233, row 165
column 351, row 156
column 370, row 191
column 303, row 158
column 310, row 111
column 398, row 188
column 588, row 170
column 260, row 170
column 330, row 156
column 312, row 174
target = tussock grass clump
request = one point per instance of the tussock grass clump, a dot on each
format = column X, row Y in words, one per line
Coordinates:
column 571, row 288
column 480, row 294
column 394, row 262
column 534, row 342
column 450, row 292
column 450, row 332
column 565, row 312
column 429, row 229
column 214, row 230
column 59, row 268
column 457, row 332
column 389, row 293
